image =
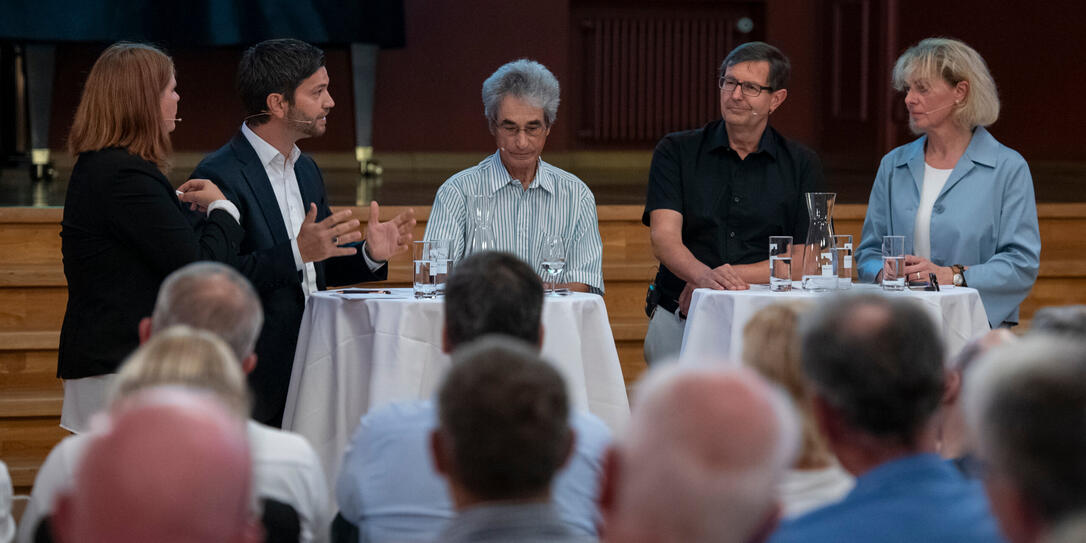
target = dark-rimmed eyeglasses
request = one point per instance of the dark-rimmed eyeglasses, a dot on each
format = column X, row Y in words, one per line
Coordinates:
column 727, row 84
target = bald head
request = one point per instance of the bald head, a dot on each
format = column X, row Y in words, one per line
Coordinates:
column 172, row 466
column 701, row 459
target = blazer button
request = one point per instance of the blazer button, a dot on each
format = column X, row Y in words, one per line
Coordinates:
column 731, row 234
column 736, row 199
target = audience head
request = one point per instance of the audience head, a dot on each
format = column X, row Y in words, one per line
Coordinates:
column 876, row 367
column 1068, row 321
column 275, row 67
column 701, row 458
column 1027, row 406
column 213, row 297
column 771, row 347
column 123, row 103
column 955, row 440
column 492, row 293
column 780, row 69
column 503, row 423
column 183, row 356
column 172, row 465
column 952, row 62
column 527, row 80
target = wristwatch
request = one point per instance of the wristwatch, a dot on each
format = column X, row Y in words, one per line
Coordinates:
column 959, row 277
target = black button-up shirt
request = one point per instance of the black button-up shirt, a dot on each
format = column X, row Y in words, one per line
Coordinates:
column 730, row 206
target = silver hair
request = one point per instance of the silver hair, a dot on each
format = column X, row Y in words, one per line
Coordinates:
column 213, row 297
column 1026, row 405
column 525, row 79
column 1065, row 320
column 669, row 486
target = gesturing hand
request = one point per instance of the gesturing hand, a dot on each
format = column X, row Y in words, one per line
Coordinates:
column 318, row 241
column 387, row 239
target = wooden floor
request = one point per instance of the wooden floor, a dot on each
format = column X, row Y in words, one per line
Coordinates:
column 33, row 294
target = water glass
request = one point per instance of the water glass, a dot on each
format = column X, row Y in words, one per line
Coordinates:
column 553, row 261
column 780, row 263
column 893, row 263
column 431, row 264
column 842, row 253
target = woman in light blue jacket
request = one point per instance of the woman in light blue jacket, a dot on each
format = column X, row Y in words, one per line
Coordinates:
column 963, row 201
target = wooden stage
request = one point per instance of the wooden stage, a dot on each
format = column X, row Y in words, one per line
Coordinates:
column 33, row 295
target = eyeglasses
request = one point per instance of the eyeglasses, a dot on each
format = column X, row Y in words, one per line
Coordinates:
column 511, row 130
column 727, row 84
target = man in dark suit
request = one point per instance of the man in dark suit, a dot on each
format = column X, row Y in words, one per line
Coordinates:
column 294, row 244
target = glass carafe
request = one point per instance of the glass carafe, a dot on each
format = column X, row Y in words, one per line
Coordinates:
column 479, row 210
column 819, row 272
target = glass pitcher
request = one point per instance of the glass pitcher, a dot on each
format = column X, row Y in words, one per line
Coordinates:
column 819, row 270
column 480, row 207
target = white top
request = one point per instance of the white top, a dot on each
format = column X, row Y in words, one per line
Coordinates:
column 809, row 489
column 934, row 180
column 7, row 524
column 285, row 468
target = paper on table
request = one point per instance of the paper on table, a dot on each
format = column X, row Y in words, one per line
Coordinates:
column 362, row 294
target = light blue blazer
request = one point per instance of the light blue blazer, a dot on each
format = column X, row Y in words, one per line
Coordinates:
column 984, row 218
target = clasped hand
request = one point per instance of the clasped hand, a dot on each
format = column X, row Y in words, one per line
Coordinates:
column 719, row 278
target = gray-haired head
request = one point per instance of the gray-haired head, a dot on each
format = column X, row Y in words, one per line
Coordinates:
column 780, row 69
column 1027, row 406
column 702, row 456
column 1068, row 321
column 527, row 80
column 213, row 297
column 878, row 361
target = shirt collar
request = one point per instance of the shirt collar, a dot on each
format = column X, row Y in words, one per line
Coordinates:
column 264, row 150
column 983, row 149
column 718, row 138
column 544, row 178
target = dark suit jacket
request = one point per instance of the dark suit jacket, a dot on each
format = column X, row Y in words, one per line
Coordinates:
column 268, row 261
column 123, row 232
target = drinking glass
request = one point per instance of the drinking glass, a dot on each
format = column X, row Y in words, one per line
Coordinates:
column 440, row 263
column 893, row 263
column 842, row 253
column 430, row 260
column 553, row 261
column 780, row 263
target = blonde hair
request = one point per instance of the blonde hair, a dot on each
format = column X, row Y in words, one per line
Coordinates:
column 771, row 346
column 121, row 105
column 184, row 356
column 954, row 62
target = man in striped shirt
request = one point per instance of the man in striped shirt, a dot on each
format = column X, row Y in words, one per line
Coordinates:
column 530, row 199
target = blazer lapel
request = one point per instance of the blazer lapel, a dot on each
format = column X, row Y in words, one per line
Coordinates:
column 257, row 179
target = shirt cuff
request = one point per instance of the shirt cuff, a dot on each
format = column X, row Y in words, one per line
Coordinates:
column 227, row 206
column 373, row 264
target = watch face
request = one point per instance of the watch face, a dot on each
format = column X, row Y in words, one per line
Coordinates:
column 957, row 279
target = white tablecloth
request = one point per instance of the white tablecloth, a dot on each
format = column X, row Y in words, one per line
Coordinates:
column 359, row 351
column 714, row 326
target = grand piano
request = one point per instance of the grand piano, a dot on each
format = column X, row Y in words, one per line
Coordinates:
column 31, row 29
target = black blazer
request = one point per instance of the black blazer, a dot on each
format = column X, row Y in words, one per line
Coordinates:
column 123, row 232
column 268, row 261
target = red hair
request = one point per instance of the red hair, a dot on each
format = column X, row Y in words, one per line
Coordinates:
column 121, row 104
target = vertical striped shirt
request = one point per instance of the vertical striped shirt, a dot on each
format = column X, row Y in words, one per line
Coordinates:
column 556, row 203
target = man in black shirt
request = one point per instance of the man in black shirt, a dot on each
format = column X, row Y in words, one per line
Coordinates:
column 716, row 194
